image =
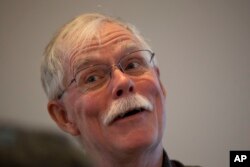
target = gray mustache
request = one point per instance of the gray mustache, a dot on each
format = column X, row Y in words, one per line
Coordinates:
column 123, row 105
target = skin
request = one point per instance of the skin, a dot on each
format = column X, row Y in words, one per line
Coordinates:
column 133, row 141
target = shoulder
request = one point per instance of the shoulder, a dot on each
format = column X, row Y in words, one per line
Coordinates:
column 175, row 163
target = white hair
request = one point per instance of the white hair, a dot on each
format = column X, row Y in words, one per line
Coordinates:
column 72, row 36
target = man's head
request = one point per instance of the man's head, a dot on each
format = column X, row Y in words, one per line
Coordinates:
column 103, row 85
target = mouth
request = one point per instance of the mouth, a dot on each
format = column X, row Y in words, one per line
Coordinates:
column 127, row 108
column 129, row 113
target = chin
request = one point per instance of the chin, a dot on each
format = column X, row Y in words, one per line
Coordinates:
column 138, row 140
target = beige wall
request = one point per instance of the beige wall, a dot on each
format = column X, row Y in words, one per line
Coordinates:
column 203, row 50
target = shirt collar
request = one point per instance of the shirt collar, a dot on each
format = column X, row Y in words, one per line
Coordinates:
column 166, row 161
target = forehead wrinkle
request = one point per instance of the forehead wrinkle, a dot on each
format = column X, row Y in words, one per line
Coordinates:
column 101, row 41
column 114, row 39
column 108, row 39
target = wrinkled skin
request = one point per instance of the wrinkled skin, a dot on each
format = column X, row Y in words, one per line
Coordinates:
column 136, row 138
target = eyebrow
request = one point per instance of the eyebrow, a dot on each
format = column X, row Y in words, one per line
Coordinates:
column 84, row 63
column 126, row 49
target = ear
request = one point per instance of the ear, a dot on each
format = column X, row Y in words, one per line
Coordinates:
column 162, row 87
column 59, row 115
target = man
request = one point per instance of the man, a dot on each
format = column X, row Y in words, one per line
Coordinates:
column 104, row 86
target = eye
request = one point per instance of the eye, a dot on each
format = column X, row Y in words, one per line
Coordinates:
column 92, row 78
column 132, row 65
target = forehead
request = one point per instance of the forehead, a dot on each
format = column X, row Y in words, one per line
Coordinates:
column 112, row 38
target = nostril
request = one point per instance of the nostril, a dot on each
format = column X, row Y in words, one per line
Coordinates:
column 131, row 89
column 119, row 92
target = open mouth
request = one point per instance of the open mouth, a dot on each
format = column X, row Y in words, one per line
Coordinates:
column 129, row 113
column 126, row 108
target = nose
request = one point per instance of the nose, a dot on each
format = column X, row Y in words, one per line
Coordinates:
column 122, row 84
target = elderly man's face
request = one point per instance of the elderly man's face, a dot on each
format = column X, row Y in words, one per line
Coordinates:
column 86, row 110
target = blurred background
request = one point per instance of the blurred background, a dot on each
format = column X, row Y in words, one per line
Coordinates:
column 203, row 50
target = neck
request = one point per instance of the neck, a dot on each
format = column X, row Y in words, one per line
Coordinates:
column 146, row 158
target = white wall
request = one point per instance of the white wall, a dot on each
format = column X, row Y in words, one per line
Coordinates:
column 203, row 50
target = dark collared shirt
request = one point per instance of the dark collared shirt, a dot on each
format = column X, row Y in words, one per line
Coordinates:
column 170, row 163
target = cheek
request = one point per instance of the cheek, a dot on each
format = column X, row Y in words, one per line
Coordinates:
column 150, row 87
column 88, row 108
column 79, row 108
